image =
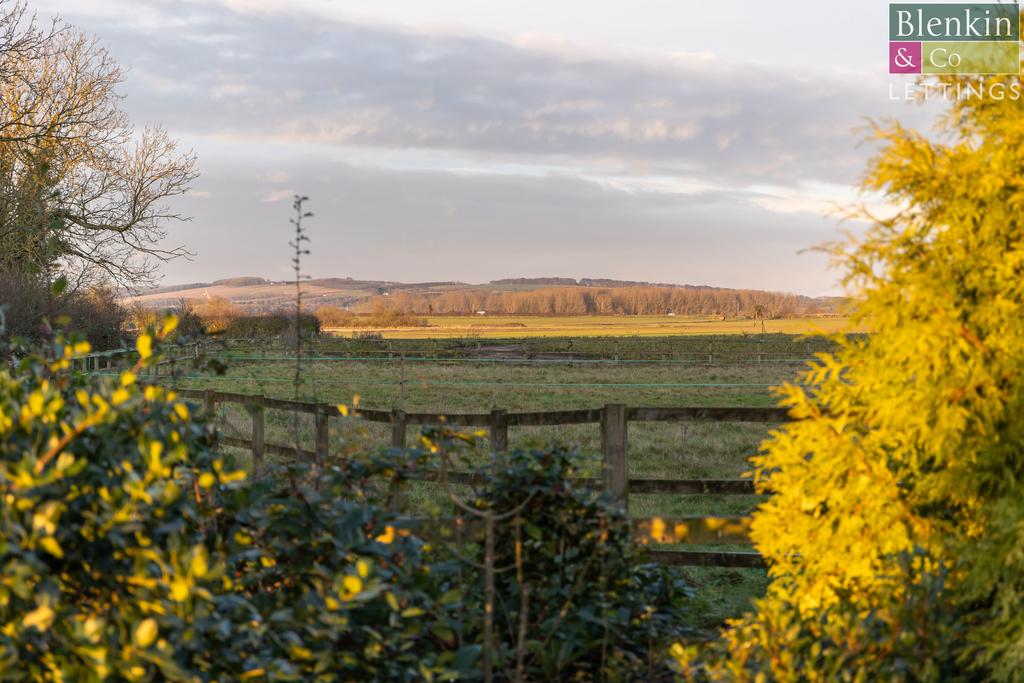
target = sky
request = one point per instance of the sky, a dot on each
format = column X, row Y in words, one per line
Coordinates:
column 660, row 140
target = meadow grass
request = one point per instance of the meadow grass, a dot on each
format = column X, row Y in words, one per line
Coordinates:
column 465, row 375
column 459, row 386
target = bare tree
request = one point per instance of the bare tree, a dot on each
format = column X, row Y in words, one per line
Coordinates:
column 82, row 192
column 759, row 314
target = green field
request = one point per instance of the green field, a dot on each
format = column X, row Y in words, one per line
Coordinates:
column 451, row 386
column 467, row 374
column 486, row 326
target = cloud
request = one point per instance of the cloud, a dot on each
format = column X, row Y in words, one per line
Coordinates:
column 289, row 77
column 436, row 156
column 268, row 196
column 421, row 225
column 273, row 177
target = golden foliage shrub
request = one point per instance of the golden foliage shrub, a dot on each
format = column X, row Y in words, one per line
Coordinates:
column 896, row 518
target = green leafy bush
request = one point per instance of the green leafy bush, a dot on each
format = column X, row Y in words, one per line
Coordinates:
column 105, row 571
column 591, row 608
column 907, row 635
column 130, row 550
column 342, row 592
column 279, row 325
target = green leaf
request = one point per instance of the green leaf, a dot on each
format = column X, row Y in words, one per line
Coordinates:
column 59, row 285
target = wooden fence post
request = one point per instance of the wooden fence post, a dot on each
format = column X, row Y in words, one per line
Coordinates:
column 613, row 444
column 257, row 435
column 210, row 410
column 401, row 384
column 499, row 431
column 397, row 428
column 322, row 435
column 210, row 402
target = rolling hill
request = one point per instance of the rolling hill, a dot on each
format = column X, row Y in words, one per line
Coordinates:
column 528, row 296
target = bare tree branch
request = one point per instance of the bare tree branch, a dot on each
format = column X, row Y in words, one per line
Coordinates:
column 81, row 191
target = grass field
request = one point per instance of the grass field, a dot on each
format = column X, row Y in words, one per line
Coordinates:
column 543, row 373
column 456, row 377
column 487, row 327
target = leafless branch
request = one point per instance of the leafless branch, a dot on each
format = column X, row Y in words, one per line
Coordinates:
column 81, row 191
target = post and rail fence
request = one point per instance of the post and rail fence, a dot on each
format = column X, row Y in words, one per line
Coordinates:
column 613, row 420
column 171, row 356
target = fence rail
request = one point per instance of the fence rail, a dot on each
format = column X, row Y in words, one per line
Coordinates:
column 511, row 351
column 171, row 355
column 613, row 420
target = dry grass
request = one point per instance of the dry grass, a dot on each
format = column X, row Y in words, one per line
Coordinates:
column 489, row 327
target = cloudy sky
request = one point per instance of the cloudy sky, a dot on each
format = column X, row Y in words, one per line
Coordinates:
column 664, row 140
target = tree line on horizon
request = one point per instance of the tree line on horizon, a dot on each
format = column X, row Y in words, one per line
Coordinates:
column 642, row 300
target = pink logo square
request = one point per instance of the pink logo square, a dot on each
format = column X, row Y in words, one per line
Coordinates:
column 904, row 58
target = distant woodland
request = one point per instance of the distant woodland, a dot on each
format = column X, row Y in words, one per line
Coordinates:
column 631, row 300
column 345, row 298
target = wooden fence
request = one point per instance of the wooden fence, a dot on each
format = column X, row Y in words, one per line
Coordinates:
column 614, row 421
column 170, row 356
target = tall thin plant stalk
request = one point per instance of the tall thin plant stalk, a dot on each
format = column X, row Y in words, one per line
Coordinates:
column 298, row 244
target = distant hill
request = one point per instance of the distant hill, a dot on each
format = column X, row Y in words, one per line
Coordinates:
column 241, row 282
column 260, row 295
column 545, row 281
column 177, row 288
column 508, row 296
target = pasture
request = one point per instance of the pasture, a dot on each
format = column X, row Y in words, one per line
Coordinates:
column 487, row 326
column 470, row 375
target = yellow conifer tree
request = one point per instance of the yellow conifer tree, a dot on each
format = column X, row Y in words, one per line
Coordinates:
column 895, row 526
